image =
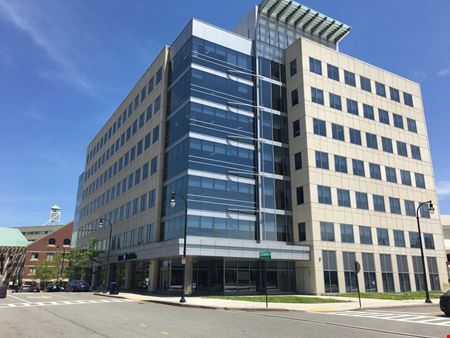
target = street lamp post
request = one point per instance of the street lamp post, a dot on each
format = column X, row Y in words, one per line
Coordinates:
column 109, row 247
column 431, row 210
column 183, row 260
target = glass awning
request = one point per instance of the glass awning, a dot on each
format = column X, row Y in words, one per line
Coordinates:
column 305, row 19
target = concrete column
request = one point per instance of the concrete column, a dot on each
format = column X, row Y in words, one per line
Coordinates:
column 188, row 276
column 128, row 275
column 153, row 275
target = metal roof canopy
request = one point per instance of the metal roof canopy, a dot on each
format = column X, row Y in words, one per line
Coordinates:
column 305, row 19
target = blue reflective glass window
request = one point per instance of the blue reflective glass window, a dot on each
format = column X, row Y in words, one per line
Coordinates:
column 293, row 67
column 358, row 167
column 365, row 234
column 317, row 95
column 338, row 132
column 371, row 140
column 398, row 121
column 333, row 72
column 343, row 197
column 380, row 89
column 300, row 196
column 405, row 177
column 410, row 208
column 375, row 171
column 322, row 160
column 383, row 116
column 368, row 112
column 340, row 163
column 402, row 149
column 391, row 175
column 349, row 78
column 335, row 101
column 408, row 99
column 296, row 128
column 415, row 152
column 412, row 125
column 387, row 145
column 327, row 231
column 378, row 203
column 315, row 66
column 319, row 127
column 324, row 194
column 355, row 136
column 365, row 84
column 383, row 236
column 395, row 95
column 352, row 107
column 420, row 180
column 394, row 205
column 361, row 200
column 294, row 97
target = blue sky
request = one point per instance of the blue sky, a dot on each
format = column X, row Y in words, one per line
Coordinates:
column 66, row 65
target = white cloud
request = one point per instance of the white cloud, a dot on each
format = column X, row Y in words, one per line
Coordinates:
column 44, row 29
column 443, row 189
column 443, row 72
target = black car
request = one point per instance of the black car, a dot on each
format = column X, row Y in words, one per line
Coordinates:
column 52, row 287
column 77, row 285
column 444, row 303
column 29, row 288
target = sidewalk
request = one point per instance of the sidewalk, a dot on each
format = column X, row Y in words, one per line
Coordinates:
column 224, row 304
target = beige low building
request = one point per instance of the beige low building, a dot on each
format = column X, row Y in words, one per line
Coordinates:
column 445, row 221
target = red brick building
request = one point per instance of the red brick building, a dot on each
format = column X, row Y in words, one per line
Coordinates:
column 47, row 248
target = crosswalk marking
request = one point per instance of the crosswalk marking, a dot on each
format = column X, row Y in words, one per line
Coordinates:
column 400, row 317
column 63, row 302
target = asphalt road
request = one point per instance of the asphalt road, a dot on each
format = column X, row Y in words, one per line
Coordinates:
column 86, row 315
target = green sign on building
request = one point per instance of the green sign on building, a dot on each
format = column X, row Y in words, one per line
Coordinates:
column 265, row 255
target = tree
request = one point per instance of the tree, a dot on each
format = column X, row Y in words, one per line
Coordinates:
column 81, row 261
column 46, row 271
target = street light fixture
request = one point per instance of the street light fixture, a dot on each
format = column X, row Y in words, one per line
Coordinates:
column 100, row 223
column 431, row 211
column 173, row 203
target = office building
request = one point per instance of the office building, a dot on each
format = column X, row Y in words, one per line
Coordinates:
column 279, row 143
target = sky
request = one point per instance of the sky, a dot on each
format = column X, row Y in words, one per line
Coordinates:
column 66, row 65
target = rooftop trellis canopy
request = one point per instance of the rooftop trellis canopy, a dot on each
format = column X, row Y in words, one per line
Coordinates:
column 305, row 19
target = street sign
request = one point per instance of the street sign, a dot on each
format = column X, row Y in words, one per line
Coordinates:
column 265, row 255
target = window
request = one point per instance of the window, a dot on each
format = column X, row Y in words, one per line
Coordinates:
column 317, row 95
column 319, row 127
column 420, row 180
column 412, row 127
column 333, row 72
column 375, row 171
column 347, row 233
column 383, row 116
column 155, row 134
column 322, row 160
column 414, row 240
column 370, row 281
column 418, row 273
column 424, row 212
column 365, row 84
column 296, row 128
column 145, row 171
column 403, row 273
column 433, row 273
column 349, row 271
column 355, row 136
column 300, row 197
column 429, row 241
column 361, row 200
column 358, row 167
column 153, row 165
column 150, row 85
column 301, row 232
column 387, row 145
column 335, row 101
column 338, row 132
column 365, row 235
column 399, row 238
column 147, row 139
column 158, row 76
column 66, row 241
column 330, row 276
column 349, row 78
column 315, row 66
column 149, row 233
column 408, row 100
column 340, row 164
column 151, row 198
column 394, row 205
column 327, row 231
column 395, row 95
column 380, row 89
column 401, row 149
column 391, row 175
column 368, row 112
column 50, row 256
column 32, row 271
column 378, row 203
column 415, row 152
column 51, row 241
column 398, row 121
column 157, row 104
column 294, row 97
column 383, row 236
column 293, row 67
column 298, row 161
column 410, row 208
column 371, row 140
column 343, row 198
column 352, row 107
column 324, row 194
column 406, row 177
column 386, row 273
column 34, row 255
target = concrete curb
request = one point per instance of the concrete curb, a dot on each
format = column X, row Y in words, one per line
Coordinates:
column 393, row 306
column 210, row 307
